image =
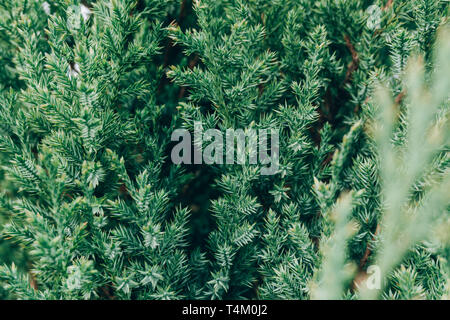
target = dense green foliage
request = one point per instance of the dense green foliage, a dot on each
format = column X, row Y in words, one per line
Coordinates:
column 92, row 207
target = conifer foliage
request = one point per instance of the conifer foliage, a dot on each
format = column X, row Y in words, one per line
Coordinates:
column 93, row 207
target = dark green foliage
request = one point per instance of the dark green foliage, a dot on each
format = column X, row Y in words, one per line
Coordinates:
column 92, row 206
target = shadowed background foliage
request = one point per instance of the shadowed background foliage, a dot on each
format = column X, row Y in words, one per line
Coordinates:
column 91, row 206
